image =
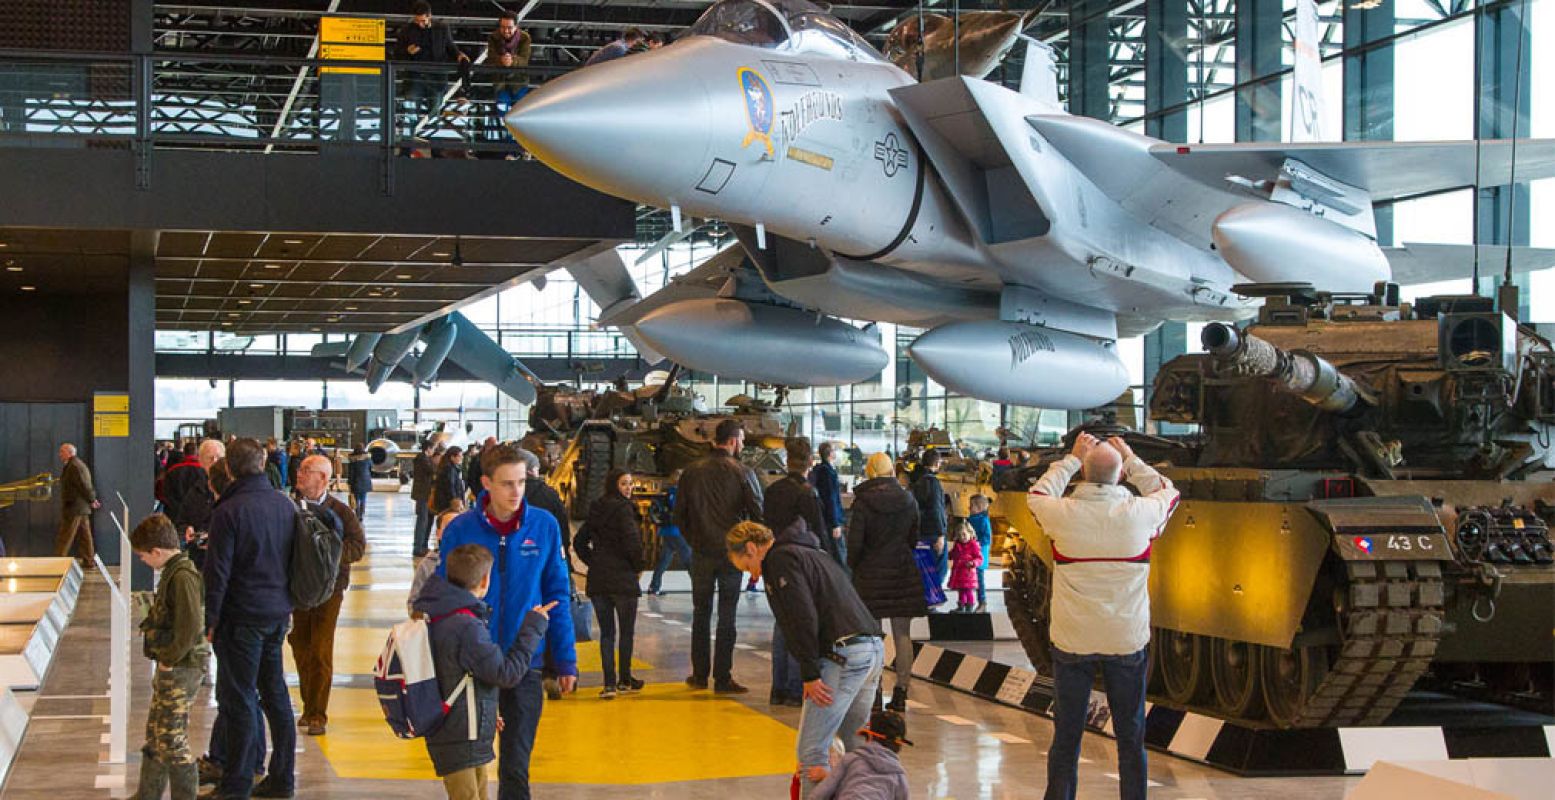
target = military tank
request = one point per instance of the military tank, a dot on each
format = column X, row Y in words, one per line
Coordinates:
column 652, row 432
column 1366, row 507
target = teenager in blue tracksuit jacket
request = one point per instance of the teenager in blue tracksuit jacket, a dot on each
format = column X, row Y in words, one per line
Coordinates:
column 529, row 571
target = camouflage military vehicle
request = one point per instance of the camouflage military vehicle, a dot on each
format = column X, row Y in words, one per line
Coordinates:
column 1366, row 506
column 654, row 431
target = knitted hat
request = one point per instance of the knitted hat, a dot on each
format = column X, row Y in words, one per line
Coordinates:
column 886, row 725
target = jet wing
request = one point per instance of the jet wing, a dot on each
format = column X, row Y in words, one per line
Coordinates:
column 483, row 358
column 1427, row 263
column 1181, row 189
column 1388, row 170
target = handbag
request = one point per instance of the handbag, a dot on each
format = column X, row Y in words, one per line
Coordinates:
column 582, row 618
column 928, row 570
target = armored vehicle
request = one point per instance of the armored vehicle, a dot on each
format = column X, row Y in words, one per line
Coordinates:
column 654, row 431
column 1366, row 506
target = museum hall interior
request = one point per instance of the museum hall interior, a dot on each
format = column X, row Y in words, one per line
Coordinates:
column 854, row 400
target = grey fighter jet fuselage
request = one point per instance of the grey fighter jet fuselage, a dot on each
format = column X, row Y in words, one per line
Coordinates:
column 1027, row 240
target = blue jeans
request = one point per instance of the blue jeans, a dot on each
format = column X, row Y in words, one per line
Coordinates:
column 520, row 708
column 853, row 687
column 217, row 753
column 1124, row 678
column 361, row 505
column 670, row 545
column 785, row 669
column 251, row 677
column 982, row 569
column 423, row 528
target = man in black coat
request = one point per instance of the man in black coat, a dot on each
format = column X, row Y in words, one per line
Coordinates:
column 186, row 491
column 247, row 608
column 829, row 632
column 422, row 474
column 425, row 42
column 790, row 499
column 932, row 520
column 715, row 493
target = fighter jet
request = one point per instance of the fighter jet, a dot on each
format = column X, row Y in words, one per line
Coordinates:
column 1024, row 239
column 449, row 338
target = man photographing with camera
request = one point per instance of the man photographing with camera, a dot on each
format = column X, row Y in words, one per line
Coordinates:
column 1101, row 534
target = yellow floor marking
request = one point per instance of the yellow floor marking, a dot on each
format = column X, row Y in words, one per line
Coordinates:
column 653, row 730
column 357, row 649
column 386, row 606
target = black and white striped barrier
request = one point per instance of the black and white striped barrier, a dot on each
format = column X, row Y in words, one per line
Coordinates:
column 1232, row 747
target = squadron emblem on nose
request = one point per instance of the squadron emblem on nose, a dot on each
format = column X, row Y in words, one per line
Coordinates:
column 891, row 155
column 758, row 108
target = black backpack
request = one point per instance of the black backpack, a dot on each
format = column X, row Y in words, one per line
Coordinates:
column 315, row 557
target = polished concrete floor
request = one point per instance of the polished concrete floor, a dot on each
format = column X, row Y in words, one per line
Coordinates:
column 669, row 742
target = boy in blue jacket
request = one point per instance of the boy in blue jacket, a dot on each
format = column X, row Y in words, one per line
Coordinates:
column 462, row 646
column 529, row 571
column 984, row 529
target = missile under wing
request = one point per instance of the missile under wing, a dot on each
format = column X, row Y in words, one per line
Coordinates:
column 859, row 193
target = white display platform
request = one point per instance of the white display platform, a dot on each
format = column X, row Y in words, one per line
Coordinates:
column 37, row 600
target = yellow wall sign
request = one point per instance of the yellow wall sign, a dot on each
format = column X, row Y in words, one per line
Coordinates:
column 110, row 426
column 351, row 30
column 111, row 403
column 351, row 52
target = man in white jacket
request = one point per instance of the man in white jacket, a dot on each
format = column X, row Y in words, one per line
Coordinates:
column 1102, row 535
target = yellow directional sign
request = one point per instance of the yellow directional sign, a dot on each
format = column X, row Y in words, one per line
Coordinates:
column 350, row 30
column 110, row 426
column 111, row 403
column 350, row 39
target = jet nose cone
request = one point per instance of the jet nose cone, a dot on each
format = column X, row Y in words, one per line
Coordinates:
column 635, row 127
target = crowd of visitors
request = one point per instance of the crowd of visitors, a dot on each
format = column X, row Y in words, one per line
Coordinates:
column 494, row 580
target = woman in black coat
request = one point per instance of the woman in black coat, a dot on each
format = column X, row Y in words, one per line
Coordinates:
column 611, row 544
column 448, row 485
column 882, row 531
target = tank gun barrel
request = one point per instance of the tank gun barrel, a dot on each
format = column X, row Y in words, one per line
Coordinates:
column 1298, row 372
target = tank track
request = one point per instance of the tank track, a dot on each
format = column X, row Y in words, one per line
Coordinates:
column 597, row 453
column 1390, row 622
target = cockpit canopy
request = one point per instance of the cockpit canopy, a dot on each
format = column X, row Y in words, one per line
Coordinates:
column 795, row 26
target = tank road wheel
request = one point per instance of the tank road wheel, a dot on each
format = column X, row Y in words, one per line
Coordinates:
column 1180, row 665
column 1290, row 679
column 1233, row 668
column 1028, row 599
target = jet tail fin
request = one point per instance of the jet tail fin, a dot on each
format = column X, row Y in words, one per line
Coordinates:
column 1039, row 75
column 1426, row 263
column 1307, row 98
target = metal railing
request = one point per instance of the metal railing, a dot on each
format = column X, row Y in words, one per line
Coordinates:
column 523, row 341
column 258, row 104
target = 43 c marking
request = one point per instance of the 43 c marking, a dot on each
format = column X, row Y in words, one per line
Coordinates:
column 1410, row 543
